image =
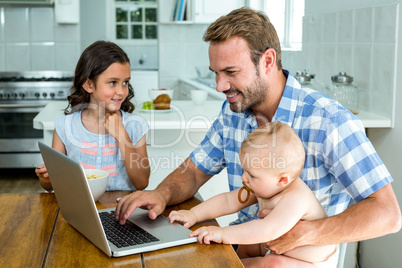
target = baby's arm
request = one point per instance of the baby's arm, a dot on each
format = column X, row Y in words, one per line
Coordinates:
column 216, row 206
column 287, row 212
column 135, row 157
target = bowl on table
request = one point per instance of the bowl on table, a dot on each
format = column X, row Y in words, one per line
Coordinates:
column 97, row 181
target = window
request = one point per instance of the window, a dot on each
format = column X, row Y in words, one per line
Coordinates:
column 287, row 18
column 135, row 20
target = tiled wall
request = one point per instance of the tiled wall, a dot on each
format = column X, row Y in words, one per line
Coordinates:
column 181, row 48
column 31, row 40
column 360, row 42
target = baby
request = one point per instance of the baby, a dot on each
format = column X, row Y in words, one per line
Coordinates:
column 272, row 157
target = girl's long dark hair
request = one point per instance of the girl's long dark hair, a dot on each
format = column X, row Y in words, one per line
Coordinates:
column 93, row 61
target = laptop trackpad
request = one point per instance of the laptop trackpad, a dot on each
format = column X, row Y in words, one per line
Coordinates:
column 141, row 218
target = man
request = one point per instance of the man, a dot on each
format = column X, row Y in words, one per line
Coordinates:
column 341, row 163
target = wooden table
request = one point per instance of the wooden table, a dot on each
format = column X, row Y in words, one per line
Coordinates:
column 33, row 234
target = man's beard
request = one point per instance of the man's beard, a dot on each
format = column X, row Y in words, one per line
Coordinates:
column 253, row 95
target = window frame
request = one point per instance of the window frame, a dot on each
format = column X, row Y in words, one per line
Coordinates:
column 111, row 25
column 286, row 43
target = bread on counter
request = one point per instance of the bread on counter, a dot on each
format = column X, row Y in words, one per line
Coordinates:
column 162, row 102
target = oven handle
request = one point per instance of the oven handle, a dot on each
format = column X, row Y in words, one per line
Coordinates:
column 22, row 105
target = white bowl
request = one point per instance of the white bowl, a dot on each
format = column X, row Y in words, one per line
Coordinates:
column 97, row 185
column 154, row 93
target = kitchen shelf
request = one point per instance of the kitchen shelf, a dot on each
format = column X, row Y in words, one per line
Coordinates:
column 372, row 120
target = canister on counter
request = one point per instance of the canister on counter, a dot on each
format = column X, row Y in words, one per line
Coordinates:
column 344, row 91
column 306, row 79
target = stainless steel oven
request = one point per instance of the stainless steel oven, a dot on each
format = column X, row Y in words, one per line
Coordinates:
column 22, row 97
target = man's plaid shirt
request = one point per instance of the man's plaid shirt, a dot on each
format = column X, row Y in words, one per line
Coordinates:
column 341, row 162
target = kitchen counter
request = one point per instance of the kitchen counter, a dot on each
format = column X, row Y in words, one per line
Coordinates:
column 368, row 119
column 182, row 115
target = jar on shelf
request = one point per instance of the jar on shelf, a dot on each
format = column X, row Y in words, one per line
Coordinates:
column 344, row 91
column 307, row 80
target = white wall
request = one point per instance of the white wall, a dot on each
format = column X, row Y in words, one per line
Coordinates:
column 384, row 251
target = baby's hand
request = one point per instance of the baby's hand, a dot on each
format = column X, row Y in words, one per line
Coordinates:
column 184, row 216
column 208, row 234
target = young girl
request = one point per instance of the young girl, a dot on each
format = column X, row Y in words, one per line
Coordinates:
column 99, row 131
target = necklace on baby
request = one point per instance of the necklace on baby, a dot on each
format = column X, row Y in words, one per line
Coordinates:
column 248, row 190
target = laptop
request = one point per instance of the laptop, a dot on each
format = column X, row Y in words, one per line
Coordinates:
column 78, row 208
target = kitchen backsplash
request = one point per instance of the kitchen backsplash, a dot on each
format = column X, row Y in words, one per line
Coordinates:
column 360, row 42
column 30, row 39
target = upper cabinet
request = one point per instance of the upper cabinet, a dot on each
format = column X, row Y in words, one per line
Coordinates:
column 207, row 11
column 196, row 11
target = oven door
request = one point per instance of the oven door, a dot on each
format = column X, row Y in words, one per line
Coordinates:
column 18, row 138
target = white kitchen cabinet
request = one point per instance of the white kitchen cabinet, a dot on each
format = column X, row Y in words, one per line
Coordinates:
column 207, row 11
column 199, row 11
column 142, row 81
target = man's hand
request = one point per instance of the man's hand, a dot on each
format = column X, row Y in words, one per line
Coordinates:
column 290, row 240
column 208, row 234
column 294, row 238
column 184, row 216
column 151, row 200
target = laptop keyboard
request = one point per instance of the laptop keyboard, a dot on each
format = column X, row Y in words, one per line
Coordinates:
column 124, row 235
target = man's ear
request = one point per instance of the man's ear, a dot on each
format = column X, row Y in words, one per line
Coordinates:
column 269, row 59
column 283, row 179
column 88, row 86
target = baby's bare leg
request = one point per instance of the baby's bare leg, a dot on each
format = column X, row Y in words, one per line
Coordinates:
column 273, row 260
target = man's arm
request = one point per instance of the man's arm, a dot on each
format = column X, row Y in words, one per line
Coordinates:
column 377, row 215
column 183, row 183
column 178, row 186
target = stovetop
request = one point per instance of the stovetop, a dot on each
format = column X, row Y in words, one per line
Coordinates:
column 37, row 76
column 35, row 85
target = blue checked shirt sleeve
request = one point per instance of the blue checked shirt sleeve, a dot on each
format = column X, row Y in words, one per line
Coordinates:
column 209, row 155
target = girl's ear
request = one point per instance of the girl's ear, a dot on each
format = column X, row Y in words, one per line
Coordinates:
column 88, row 86
column 283, row 179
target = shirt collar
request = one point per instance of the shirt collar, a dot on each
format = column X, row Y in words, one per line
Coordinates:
column 286, row 110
